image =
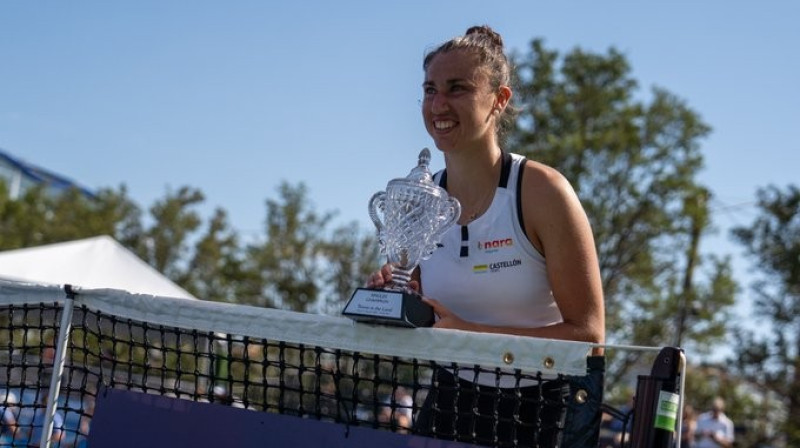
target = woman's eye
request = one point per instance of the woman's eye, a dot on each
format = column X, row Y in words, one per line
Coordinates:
column 429, row 91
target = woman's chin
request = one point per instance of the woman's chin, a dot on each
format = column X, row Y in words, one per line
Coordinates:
column 444, row 145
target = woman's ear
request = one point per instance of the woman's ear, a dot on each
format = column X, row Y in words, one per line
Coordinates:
column 502, row 97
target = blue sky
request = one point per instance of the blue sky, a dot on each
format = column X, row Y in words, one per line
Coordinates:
column 235, row 97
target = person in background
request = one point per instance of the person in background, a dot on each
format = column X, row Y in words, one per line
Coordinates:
column 405, row 407
column 623, row 427
column 49, row 349
column 396, row 410
column 8, row 416
column 37, row 428
column 85, row 422
column 688, row 427
column 519, row 216
column 714, row 429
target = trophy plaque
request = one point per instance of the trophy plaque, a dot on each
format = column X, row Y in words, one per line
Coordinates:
column 410, row 218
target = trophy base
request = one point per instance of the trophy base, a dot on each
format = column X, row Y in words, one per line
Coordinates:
column 387, row 307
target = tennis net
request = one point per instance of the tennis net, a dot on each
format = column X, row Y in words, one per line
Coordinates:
column 66, row 346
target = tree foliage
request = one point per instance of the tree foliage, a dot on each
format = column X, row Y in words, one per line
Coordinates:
column 216, row 267
column 634, row 163
column 771, row 358
column 37, row 218
column 299, row 263
column 351, row 256
column 290, row 256
column 756, row 414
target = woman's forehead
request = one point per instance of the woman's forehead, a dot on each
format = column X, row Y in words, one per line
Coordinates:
column 453, row 65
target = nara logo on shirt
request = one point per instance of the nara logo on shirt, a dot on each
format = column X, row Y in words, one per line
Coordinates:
column 491, row 246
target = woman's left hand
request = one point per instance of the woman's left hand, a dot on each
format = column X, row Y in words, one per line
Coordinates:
column 447, row 318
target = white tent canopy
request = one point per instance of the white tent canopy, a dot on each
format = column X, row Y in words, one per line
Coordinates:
column 99, row 262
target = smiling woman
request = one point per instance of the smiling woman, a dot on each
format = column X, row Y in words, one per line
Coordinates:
column 521, row 260
column 462, row 100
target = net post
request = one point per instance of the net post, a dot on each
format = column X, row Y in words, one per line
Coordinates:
column 582, row 423
column 682, row 386
column 658, row 401
column 58, row 365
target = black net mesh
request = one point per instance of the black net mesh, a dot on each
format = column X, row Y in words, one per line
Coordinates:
column 406, row 395
column 27, row 349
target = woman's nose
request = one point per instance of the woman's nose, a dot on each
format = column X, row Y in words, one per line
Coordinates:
column 436, row 102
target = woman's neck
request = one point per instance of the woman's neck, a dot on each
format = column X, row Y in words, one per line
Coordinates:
column 472, row 178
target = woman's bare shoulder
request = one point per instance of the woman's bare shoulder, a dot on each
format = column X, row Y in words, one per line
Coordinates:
column 545, row 182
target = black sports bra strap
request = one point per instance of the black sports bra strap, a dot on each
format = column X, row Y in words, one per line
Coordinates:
column 519, row 197
column 443, row 179
column 505, row 172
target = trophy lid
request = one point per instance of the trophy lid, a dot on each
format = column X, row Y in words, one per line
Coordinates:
column 419, row 179
column 421, row 173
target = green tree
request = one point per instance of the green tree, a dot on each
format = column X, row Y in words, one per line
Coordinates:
column 299, row 264
column 118, row 210
column 38, row 218
column 216, row 267
column 752, row 411
column 22, row 221
column 634, row 163
column 351, row 256
column 302, row 264
column 771, row 358
column 165, row 244
column 289, row 260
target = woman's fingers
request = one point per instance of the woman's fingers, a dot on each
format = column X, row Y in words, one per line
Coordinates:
column 380, row 278
column 375, row 280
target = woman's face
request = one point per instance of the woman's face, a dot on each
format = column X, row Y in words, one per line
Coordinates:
column 458, row 102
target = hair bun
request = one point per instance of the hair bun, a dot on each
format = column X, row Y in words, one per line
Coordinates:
column 485, row 32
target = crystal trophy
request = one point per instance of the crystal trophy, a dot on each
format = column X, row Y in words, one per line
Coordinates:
column 410, row 217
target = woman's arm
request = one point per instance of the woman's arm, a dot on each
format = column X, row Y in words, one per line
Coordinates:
column 557, row 226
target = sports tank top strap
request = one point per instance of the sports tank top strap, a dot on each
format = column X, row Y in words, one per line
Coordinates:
column 505, row 173
column 522, row 160
column 505, row 170
column 442, row 176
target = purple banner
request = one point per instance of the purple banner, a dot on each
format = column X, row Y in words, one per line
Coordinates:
column 133, row 419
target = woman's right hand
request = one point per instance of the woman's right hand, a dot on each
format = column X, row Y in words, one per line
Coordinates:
column 383, row 278
column 380, row 278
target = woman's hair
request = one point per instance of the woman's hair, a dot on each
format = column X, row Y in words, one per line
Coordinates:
column 487, row 45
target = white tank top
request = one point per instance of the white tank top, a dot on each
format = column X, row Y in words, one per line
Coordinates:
column 488, row 272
